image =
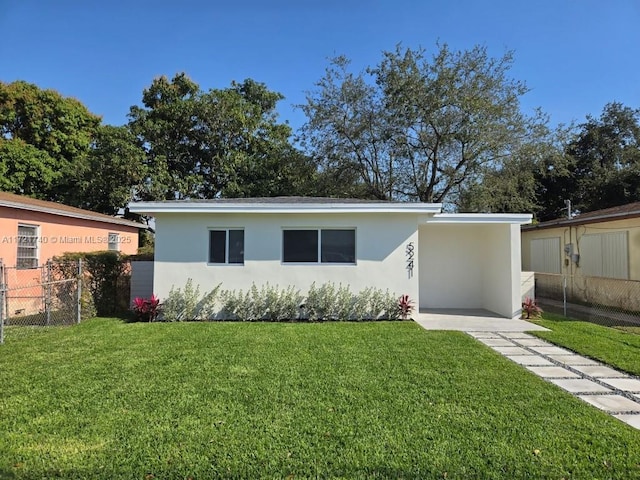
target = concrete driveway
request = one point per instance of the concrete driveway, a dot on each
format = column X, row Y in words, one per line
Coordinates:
column 471, row 321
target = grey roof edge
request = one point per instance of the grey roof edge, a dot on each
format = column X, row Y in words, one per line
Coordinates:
column 582, row 220
column 283, row 205
column 275, row 200
column 93, row 216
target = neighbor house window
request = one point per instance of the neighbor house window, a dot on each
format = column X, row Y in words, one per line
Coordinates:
column 605, row 255
column 27, row 246
column 545, row 255
column 319, row 246
column 114, row 244
column 226, row 246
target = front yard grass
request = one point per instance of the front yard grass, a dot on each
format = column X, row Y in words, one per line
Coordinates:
column 616, row 347
column 107, row 399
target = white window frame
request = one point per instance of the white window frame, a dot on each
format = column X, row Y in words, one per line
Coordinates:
column 226, row 245
column 113, row 240
column 31, row 245
column 319, row 252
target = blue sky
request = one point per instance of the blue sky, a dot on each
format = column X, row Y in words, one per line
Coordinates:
column 575, row 55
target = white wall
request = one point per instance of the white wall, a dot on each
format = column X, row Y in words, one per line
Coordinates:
column 527, row 285
column 502, row 280
column 450, row 266
column 470, row 266
column 182, row 243
column 141, row 279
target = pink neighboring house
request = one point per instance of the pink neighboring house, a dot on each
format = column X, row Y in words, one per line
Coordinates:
column 33, row 231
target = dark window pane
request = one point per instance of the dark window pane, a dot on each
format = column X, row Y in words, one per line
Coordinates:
column 217, row 246
column 338, row 246
column 236, row 246
column 300, row 245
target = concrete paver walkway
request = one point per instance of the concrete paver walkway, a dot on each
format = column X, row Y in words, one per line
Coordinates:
column 614, row 392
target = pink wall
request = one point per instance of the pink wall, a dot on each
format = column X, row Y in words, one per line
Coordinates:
column 59, row 234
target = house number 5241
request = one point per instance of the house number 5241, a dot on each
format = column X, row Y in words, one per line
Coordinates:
column 409, row 251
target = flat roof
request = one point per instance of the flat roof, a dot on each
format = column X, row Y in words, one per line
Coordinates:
column 282, row 205
column 290, row 205
column 470, row 218
column 11, row 200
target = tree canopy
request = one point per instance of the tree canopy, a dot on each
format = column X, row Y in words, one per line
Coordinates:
column 417, row 128
column 220, row 142
column 443, row 128
column 602, row 167
column 44, row 138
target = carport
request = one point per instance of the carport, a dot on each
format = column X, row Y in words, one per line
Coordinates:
column 470, row 262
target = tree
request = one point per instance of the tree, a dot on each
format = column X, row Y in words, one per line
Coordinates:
column 417, row 129
column 206, row 144
column 513, row 185
column 26, row 170
column 115, row 171
column 49, row 132
column 604, row 163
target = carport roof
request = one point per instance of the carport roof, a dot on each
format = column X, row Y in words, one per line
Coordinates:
column 475, row 218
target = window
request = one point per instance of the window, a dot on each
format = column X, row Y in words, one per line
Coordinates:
column 326, row 245
column 114, row 243
column 27, row 246
column 605, row 255
column 545, row 255
column 226, row 246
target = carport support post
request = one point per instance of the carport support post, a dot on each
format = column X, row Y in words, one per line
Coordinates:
column 79, row 290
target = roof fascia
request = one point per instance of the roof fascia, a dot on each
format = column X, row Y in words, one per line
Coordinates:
column 63, row 213
column 481, row 218
column 285, row 208
column 584, row 221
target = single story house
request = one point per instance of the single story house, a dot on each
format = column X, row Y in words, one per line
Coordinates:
column 440, row 260
column 33, row 231
column 597, row 255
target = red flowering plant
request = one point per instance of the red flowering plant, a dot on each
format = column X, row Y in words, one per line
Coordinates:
column 405, row 306
column 146, row 309
column 530, row 308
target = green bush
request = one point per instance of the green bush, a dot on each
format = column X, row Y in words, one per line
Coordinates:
column 187, row 304
column 375, row 304
column 106, row 276
column 327, row 302
column 265, row 303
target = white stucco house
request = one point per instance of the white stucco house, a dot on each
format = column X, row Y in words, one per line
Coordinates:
column 441, row 260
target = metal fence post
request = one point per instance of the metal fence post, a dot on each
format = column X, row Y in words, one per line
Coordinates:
column 79, row 290
column 47, row 294
column 5, row 281
column 2, row 302
column 564, row 294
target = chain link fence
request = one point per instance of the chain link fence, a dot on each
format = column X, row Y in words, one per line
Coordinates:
column 35, row 298
column 606, row 301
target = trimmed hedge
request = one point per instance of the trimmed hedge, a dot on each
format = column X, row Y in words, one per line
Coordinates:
column 326, row 302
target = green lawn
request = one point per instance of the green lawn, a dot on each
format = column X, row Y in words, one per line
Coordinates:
column 616, row 347
column 107, row 399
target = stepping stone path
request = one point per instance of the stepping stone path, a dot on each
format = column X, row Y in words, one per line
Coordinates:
column 614, row 392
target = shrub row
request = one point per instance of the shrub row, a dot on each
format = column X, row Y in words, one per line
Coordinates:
column 271, row 303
